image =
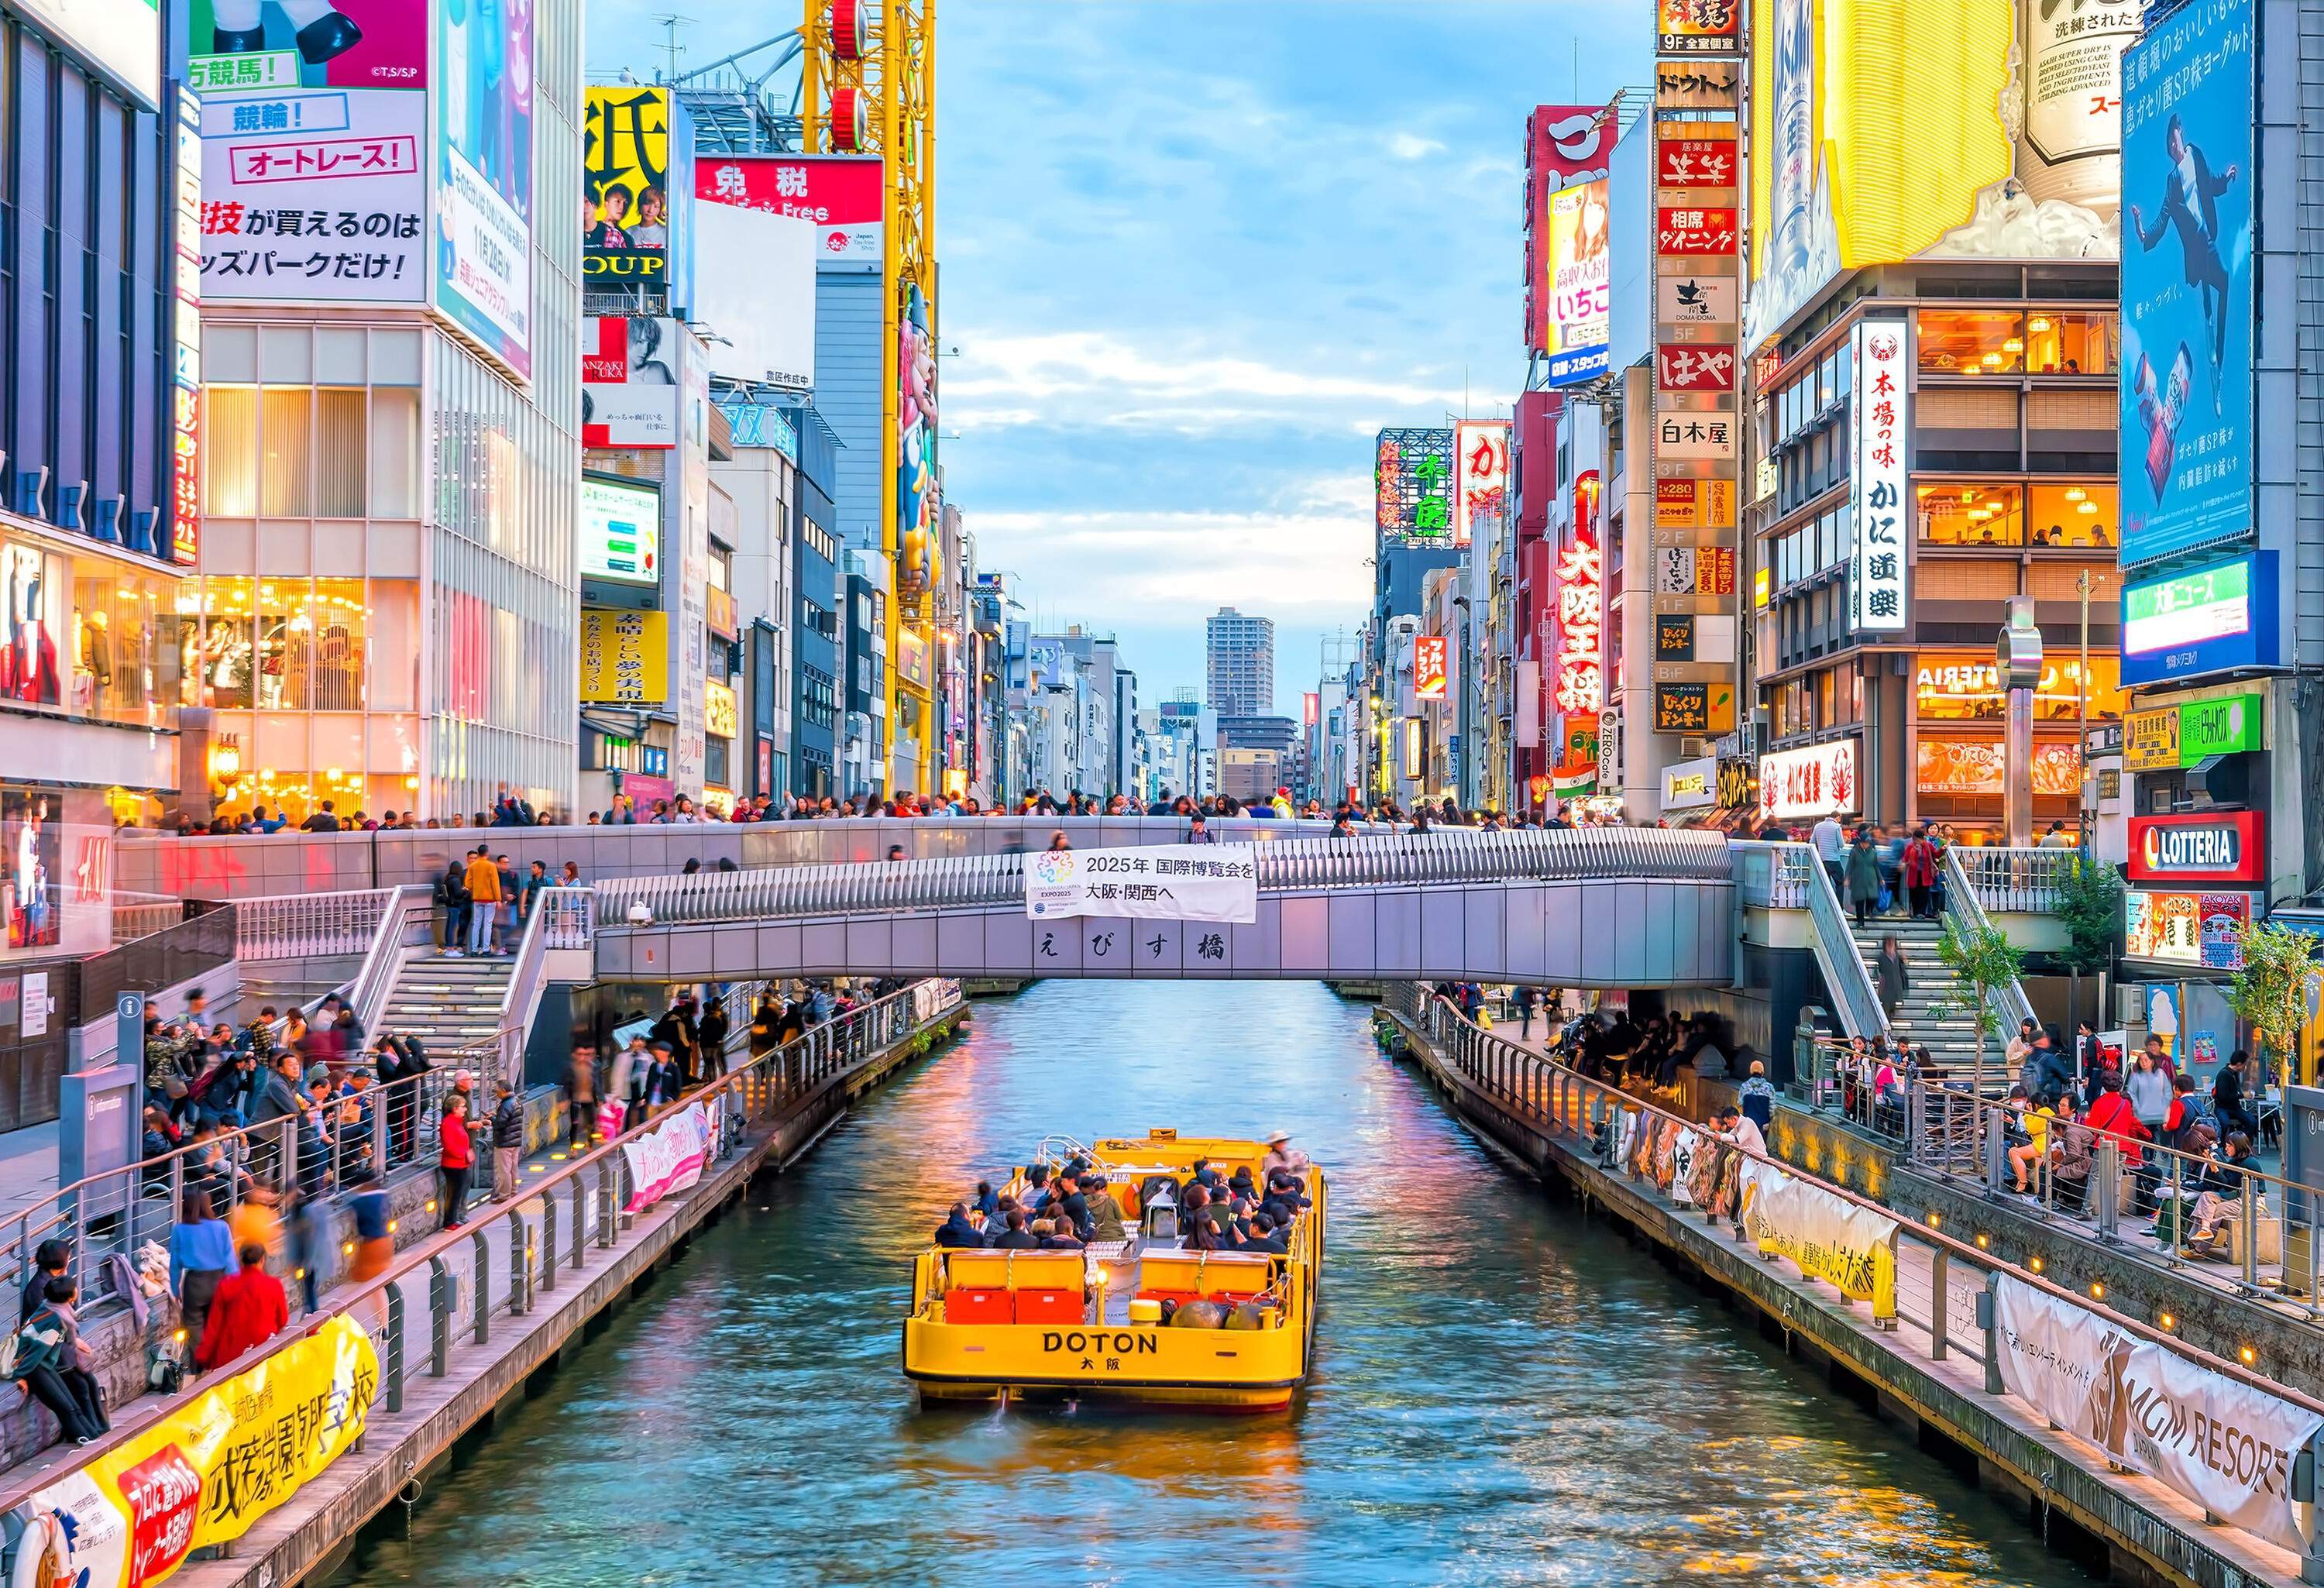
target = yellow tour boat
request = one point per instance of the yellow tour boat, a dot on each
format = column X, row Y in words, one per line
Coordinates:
column 1116, row 1321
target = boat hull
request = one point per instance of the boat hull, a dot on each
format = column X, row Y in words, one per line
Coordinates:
column 1227, row 1370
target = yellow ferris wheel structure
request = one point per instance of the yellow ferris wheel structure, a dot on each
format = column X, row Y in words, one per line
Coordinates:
column 868, row 86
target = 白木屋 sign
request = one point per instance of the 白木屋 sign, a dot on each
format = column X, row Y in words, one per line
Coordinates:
column 1183, row 882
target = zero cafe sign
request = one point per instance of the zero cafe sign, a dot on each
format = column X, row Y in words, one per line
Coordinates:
column 2224, row 847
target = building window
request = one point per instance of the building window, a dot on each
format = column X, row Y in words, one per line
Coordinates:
column 1972, row 341
column 305, row 451
column 2079, row 514
column 1971, row 516
column 2074, row 344
column 1964, row 686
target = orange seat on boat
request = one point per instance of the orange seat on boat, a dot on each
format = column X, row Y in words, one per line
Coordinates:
column 976, row 1304
column 1051, row 1307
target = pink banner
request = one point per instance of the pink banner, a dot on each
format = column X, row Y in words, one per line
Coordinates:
column 668, row 1159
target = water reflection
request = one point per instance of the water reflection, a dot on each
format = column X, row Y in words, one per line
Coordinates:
column 1504, row 1392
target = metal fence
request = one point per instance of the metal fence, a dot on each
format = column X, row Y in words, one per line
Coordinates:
column 510, row 1254
column 2013, row 881
column 1441, row 855
column 2266, row 1231
column 1938, row 1277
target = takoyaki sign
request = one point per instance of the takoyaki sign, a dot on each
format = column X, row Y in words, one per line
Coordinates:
column 1179, row 881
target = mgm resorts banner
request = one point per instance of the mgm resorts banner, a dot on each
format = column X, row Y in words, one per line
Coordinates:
column 205, row 1473
column 1831, row 1238
column 2222, row 1443
column 1175, row 883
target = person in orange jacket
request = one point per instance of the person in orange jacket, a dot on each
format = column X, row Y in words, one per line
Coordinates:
column 484, row 897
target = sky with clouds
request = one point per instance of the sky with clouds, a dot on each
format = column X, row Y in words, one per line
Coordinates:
column 1193, row 255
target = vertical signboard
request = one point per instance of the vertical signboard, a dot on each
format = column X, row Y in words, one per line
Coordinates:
column 1575, row 295
column 1696, row 437
column 1879, row 431
column 1480, row 450
column 482, row 266
column 1412, row 487
column 2187, row 158
column 186, row 343
column 1565, row 146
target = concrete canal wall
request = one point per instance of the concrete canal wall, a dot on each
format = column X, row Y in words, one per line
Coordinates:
column 2126, row 1526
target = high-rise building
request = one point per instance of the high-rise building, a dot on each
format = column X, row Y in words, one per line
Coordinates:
column 382, row 609
column 1242, row 663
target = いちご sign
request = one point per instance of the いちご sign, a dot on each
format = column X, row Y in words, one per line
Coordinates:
column 1185, row 882
column 206, row 1473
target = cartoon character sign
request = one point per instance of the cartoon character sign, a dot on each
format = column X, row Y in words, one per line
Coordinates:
column 915, row 419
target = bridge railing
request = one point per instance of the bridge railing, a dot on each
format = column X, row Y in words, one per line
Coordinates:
column 1947, row 1291
column 972, row 881
column 2014, row 880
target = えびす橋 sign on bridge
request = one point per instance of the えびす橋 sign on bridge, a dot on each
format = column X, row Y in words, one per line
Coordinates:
column 1179, row 883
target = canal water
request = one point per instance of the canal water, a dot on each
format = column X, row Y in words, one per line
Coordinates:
column 1506, row 1393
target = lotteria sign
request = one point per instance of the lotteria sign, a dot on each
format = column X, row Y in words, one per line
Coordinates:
column 2206, row 620
column 2203, row 847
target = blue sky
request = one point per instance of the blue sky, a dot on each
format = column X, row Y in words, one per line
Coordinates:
column 1193, row 255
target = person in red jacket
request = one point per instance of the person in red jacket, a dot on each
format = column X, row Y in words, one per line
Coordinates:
column 248, row 1310
column 457, row 1161
column 2112, row 1115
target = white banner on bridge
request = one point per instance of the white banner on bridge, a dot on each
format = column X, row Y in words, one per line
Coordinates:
column 2220, row 1443
column 1172, row 882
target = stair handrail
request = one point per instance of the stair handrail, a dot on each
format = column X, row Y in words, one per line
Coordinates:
column 2010, row 1004
column 528, row 977
column 1855, row 1000
column 374, row 985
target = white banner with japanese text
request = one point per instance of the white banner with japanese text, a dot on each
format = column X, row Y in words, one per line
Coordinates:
column 670, row 1157
column 2226, row 1446
column 1177, row 882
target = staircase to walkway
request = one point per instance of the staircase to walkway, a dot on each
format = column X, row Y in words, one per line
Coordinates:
column 1928, row 1016
column 448, row 1003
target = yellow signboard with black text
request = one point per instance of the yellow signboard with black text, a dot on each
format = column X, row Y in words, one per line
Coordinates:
column 624, row 657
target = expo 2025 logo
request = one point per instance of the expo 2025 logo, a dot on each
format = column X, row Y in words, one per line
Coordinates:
column 1053, row 867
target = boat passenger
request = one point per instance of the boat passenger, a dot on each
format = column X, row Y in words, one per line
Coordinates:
column 1201, row 1224
column 957, row 1230
column 1037, row 1188
column 1265, row 1237
column 1056, row 1236
column 986, row 1203
column 1281, row 1154
column 1105, row 1222
column 1066, row 1201
column 1017, row 1237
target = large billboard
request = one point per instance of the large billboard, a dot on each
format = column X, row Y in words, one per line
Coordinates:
column 754, row 288
column 1577, row 275
column 628, row 383
column 637, row 191
column 621, row 530
column 1412, row 486
column 314, row 195
column 2010, row 150
column 2216, row 618
column 2187, row 163
column 484, row 177
column 840, row 195
column 1565, row 146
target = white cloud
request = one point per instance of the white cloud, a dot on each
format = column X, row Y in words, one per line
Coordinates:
column 1412, row 146
column 1095, row 378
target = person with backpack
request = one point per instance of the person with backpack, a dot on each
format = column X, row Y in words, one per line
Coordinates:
column 452, row 898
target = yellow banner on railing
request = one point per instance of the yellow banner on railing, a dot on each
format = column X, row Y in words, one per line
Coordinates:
column 1830, row 1238
column 209, row 1470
